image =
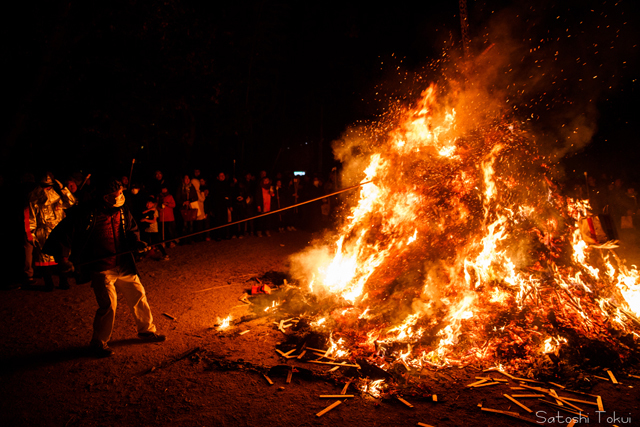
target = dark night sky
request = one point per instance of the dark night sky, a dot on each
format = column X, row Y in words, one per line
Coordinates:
column 201, row 85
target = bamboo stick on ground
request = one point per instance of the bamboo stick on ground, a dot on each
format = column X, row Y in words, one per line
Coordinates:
column 563, row 408
column 557, row 385
column 405, row 402
column 634, row 376
column 477, row 382
column 517, row 403
column 586, row 402
column 268, row 379
column 289, row 376
column 424, row 425
column 600, row 405
column 553, row 393
column 527, row 396
column 485, row 384
column 502, row 380
column 336, row 363
column 244, row 332
column 613, row 378
column 346, row 386
column 328, row 408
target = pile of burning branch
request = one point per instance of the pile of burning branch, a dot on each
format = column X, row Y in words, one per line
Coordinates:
column 463, row 250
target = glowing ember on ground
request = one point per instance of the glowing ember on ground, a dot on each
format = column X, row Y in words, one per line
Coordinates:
column 224, row 323
column 463, row 249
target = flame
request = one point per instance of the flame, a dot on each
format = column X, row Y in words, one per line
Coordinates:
column 461, row 242
column 224, row 323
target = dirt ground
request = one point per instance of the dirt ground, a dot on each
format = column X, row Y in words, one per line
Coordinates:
column 203, row 377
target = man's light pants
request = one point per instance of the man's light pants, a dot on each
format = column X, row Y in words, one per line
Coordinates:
column 105, row 285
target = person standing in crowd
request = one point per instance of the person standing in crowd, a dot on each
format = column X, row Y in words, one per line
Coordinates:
column 223, row 206
column 265, row 198
column 166, row 203
column 100, row 237
column 187, row 199
column 151, row 232
column 156, row 185
column 200, row 222
column 47, row 204
column 247, row 193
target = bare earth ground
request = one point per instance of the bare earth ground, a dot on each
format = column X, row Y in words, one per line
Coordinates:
column 202, row 377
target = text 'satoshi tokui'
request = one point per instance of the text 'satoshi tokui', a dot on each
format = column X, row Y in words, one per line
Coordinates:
column 462, row 249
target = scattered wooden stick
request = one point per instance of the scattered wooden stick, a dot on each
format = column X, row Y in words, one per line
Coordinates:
column 518, row 403
column 328, row 408
column 169, row 316
column 208, row 289
column 350, row 365
column 563, row 408
column 557, row 385
column 245, row 332
column 434, row 397
column 502, row 380
column 553, row 393
column 613, row 378
column 498, row 370
column 527, row 380
column 335, row 368
column 301, row 354
column 336, row 396
column 172, row 361
column 566, row 402
column 268, row 379
column 586, row 402
column 517, row 388
column 572, row 423
column 289, row 376
column 486, row 384
column 424, row 425
column 600, row 405
column 346, row 386
column 602, row 378
column 540, row 389
column 405, row 402
column 526, row 396
column 634, row 376
column 477, row 382
column 289, row 352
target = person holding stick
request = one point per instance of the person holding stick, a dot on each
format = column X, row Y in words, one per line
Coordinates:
column 100, row 238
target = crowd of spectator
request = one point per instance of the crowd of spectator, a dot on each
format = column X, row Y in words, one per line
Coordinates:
column 178, row 210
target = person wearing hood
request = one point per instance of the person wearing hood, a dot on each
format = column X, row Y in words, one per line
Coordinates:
column 100, row 238
column 47, row 204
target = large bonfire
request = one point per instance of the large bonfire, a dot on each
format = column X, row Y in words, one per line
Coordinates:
column 461, row 248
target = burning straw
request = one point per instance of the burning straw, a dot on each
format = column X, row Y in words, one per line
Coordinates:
column 462, row 249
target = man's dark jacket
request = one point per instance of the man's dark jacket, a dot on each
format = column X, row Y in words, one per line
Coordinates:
column 92, row 234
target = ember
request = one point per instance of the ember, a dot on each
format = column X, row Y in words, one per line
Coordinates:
column 462, row 249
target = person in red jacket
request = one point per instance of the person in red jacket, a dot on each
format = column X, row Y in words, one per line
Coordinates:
column 166, row 218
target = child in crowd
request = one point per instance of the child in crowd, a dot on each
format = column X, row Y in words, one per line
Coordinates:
column 151, row 234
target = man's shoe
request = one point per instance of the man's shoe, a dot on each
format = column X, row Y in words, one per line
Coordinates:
column 152, row 337
column 101, row 351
